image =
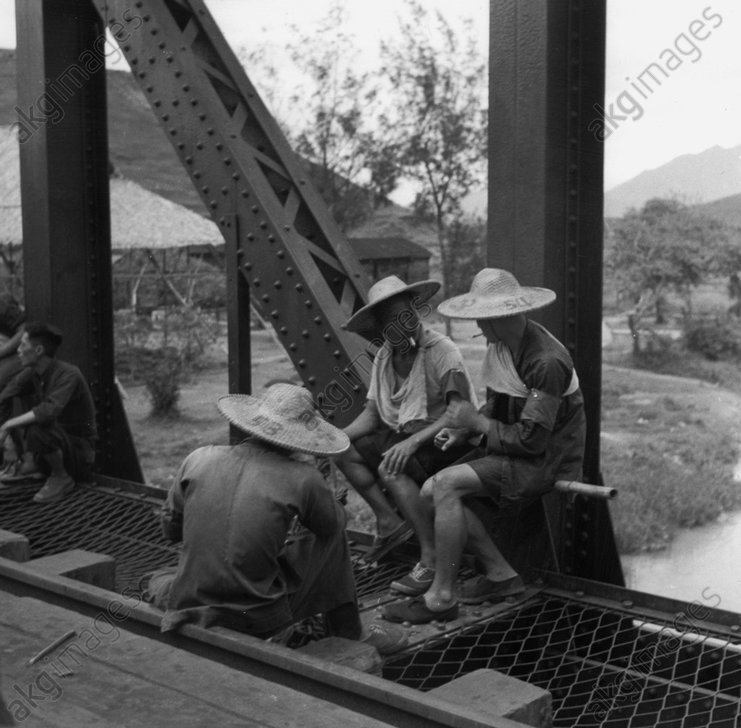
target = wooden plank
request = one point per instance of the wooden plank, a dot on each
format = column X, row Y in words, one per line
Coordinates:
column 108, row 676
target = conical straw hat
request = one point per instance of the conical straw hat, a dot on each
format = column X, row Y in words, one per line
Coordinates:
column 284, row 415
column 364, row 318
column 495, row 293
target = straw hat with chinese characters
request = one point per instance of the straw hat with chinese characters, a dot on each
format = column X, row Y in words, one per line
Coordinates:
column 495, row 293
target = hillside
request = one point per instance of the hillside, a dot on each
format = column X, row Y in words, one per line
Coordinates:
column 139, row 148
column 694, row 178
column 727, row 209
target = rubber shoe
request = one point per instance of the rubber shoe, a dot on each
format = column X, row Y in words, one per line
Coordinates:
column 387, row 638
column 416, row 582
column 55, row 489
column 480, row 589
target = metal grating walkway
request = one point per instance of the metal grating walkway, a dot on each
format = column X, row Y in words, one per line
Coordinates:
column 123, row 525
column 604, row 666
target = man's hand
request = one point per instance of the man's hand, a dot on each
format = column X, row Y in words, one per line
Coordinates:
column 461, row 414
column 449, row 437
column 395, row 459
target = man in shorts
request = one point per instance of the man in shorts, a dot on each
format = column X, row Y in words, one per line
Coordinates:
column 533, row 425
column 415, row 375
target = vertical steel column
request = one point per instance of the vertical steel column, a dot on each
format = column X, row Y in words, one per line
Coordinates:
column 64, row 189
column 547, row 62
column 238, row 319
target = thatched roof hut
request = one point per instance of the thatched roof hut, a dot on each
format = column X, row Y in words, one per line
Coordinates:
column 139, row 218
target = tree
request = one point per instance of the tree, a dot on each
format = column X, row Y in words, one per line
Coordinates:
column 436, row 121
column 664, row 248
column 467, row 237
column 329, row 119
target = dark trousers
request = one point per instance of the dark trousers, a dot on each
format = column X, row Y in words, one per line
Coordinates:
column 78, row 452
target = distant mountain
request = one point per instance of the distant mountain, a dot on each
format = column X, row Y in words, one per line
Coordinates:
column 693, row 178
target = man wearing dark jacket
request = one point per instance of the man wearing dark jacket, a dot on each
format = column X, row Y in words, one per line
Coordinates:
column 532, row 428
column 55, row 432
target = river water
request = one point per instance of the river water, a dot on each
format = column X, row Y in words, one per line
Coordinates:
column 699, row 563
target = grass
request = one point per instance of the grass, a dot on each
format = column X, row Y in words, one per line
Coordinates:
column 669, row 443
column 671, row 467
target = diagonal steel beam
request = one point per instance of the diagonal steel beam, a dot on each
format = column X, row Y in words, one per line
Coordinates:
column 299, row 267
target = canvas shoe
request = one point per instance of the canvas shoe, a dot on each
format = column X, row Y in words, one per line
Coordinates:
column 416, row 582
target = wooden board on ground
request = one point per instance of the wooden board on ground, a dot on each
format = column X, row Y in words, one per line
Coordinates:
column 105, row 676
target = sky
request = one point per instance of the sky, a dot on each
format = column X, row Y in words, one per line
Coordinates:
column 694, row 105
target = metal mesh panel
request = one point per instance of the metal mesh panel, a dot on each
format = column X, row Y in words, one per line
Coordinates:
column 125, row 526
column 602, row 667
column 122, row 526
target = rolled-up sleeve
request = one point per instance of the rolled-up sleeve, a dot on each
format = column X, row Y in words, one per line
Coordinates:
column 529, row 436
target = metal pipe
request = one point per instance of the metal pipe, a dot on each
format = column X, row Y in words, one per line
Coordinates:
column 586, row 489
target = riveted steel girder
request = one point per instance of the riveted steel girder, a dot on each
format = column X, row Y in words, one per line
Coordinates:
column 547, row 64
column 64, row 188
column 302, row 274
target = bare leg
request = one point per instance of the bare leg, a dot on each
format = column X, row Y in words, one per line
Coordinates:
column 452, row 520
column 363, row 480
column 496, row 567
column 417, row 510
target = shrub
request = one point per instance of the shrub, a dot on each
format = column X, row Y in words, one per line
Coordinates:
column 716, row 339
column 162, row 381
